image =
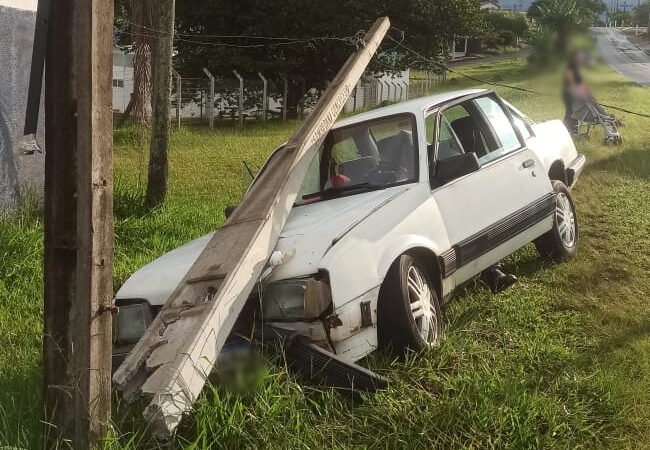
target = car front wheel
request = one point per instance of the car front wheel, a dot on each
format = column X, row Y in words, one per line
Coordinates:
column 408, row 312
column 561, row 242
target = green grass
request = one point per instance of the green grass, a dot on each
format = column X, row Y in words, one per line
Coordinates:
column 560, row 360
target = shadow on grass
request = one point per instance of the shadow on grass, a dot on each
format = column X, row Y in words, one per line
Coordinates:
column 631, row 162
column 625, row 337
column 129, row 202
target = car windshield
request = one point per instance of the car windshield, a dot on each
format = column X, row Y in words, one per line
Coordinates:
column 368, row 156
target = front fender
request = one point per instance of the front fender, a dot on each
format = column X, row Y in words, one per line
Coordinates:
column 552, row 142
column 402, row 245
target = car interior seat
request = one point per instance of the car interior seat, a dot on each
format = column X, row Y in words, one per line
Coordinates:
column 397, row 150
column 469, row 135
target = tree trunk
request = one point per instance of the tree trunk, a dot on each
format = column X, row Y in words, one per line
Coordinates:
column 162, row 58
column 143, row 39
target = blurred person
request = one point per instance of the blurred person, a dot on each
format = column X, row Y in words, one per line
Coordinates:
column 575, row 91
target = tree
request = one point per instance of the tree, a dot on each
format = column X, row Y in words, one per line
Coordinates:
column 143, row 40
column 562, row 17
column 621, row 17
column 499, row 21
column 429, row 27
column 162, row 60
column 589, row 10
column 641, row 13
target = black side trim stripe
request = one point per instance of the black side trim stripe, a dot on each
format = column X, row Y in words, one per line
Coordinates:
column 496, row 234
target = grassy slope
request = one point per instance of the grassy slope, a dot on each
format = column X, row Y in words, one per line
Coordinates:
column 560, row 360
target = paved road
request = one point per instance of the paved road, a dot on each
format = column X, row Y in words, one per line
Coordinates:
column 623, row 56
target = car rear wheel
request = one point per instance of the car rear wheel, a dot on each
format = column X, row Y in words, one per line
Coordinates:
column 561, row 242
column 408, row 312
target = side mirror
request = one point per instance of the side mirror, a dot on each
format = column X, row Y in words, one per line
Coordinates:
column 456, row 166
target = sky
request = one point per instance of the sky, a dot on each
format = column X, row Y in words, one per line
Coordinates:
column 521, row 5
column 524, row 4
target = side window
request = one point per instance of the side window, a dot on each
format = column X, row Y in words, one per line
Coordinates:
column 521, row 124
column 503, row 130
column 469, row 127
column 448, row 145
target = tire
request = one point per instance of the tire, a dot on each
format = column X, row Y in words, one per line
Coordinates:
column 400, row 324
column 561, row 242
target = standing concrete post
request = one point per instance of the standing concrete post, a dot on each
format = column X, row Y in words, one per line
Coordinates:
column 381, row 91
column 285, row 97
column 394, row 90
column 211, row 98
column 241, row 97
column 265, row 95
column 78, row 218
column 178, row 96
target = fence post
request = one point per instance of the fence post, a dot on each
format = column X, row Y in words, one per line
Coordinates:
column 178, row 96
column 285, row 97
column 394, row 90
column 380, row 91
column 265, row 95
column 211, row 109
column 241, row 97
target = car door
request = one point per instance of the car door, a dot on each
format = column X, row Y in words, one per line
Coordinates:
column 498, row 208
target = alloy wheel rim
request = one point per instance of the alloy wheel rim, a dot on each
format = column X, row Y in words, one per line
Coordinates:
column 565, row 220
column 422, row 305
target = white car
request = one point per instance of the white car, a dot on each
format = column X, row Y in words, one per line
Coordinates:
column 401, row 206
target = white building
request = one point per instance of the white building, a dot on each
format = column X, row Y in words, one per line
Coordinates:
column 489, row 4
column 122, row 79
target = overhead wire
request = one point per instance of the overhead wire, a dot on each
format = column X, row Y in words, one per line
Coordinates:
column 355, row 40
column 497, row 84
column 199, row 39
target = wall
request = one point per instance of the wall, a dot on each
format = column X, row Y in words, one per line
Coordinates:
column 21, row 168
column 122, row 80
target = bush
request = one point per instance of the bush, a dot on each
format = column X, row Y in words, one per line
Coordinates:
column 542, row 40
column 502, row 21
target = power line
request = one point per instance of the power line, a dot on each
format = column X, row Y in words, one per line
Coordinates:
column 507, row 86
column 349, row 40
column 199, row 39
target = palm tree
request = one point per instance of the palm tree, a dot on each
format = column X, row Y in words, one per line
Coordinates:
column 562, row 17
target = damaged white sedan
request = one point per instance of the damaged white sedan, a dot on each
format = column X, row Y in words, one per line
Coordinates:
column 401, row 206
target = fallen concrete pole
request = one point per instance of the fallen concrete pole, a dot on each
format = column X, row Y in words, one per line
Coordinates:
column 171, row 362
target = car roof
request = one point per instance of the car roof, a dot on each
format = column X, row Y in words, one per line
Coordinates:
column 415, row 106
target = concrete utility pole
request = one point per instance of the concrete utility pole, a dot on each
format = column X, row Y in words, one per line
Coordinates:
column 172, row 360
column 161, row 92
column 78, row 224
column 179, row 85
column 241, row 97
column 211, row 99
column 265, row 95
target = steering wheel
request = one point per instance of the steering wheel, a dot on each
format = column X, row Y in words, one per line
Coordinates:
column 387, row 172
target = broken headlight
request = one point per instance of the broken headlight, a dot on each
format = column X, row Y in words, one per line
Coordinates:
column 296, row 299
column 131, row 321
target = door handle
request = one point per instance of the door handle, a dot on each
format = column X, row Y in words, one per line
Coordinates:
column 528, row 164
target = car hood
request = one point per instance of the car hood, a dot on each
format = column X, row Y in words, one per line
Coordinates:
column 309, row 233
